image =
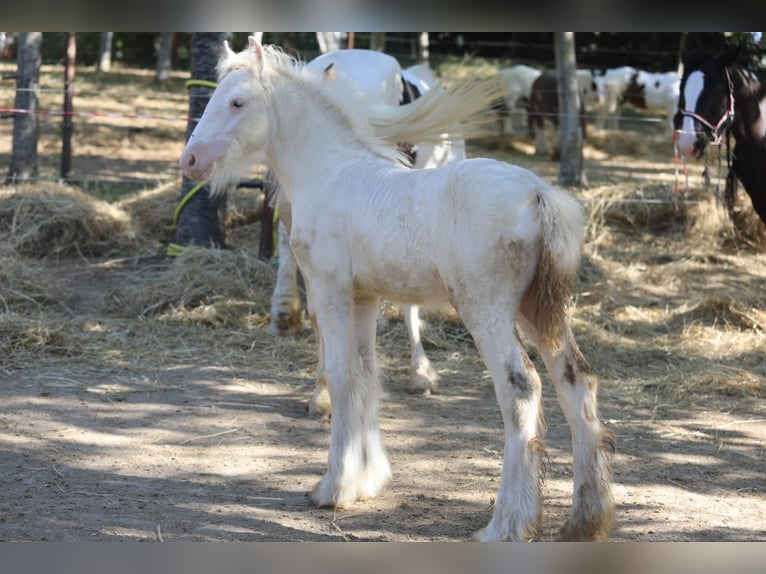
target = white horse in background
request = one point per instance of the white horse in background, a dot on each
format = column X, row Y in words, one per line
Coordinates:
column 381, row 80
column 494, row 240
column 641, row 89
column 517, row 81
column 614, row 82
column 655, row 91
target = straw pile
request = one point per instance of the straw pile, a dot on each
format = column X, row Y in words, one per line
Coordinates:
column 208, row 286
column 710, row 223
column 617, row 142
column 44, row 220
column 24, row 285
column 631, row 207
column 151, row 211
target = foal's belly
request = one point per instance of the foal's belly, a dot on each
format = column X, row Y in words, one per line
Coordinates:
column 401, row 284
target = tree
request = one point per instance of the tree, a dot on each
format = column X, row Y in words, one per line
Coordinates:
column 105, row 52
column 423, row 51
column 26, row 128
column 328, row 41
column 164, row 56
column 378, row 41
column 201, row 221
column 571, row 124
column 68, row 124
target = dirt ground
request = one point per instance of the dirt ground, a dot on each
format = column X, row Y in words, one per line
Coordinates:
column 121, row 424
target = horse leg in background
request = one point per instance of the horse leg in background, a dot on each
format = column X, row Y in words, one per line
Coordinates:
column 518, row 389
column 593, row 446
column 423, row 377
column 537, row 132
column 357, row 462
column 285, row 300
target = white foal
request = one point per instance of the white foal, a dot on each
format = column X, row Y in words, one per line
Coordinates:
column 494, row 240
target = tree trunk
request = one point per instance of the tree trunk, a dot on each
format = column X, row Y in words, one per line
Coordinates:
column 378, row 41
column 201, row 221
column 681, row 48
column 423, row 44
column 328, row 41
column 68, row 121
column 26, row 129
column 572, row 123
column 165, row 56
column 105, row 52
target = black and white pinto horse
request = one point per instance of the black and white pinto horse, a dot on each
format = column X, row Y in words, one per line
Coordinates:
column 723, row 95
column 494, row 240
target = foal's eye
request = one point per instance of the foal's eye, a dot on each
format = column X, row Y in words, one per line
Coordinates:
column 237, row 103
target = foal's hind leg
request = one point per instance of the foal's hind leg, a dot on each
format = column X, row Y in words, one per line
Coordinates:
column 518, row 390
column 423, row 377
column 593, row 445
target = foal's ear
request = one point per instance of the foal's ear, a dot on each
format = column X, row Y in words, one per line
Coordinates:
column 257, row 50
column 227, row 49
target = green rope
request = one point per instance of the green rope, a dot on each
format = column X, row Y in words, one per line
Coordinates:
column 173, row 249
column 186, row 198
column 201, row 83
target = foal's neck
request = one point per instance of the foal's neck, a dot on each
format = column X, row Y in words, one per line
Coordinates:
column 310, row 138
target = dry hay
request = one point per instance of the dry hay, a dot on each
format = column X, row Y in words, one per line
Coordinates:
column 24, row 285
column 207, row 286
column 42, row 220
column 152, row 211
column 243, row 207
column 710, row 223
column 617, row 142
column 631, row 207
column 24, row 337
column 728, row 313
column 685, row 316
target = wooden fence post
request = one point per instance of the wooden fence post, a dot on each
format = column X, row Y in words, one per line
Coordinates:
column 69, row 73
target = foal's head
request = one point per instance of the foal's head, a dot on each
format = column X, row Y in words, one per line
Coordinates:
column 234, row 127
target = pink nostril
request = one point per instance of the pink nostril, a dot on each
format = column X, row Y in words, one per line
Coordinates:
column 191, row 161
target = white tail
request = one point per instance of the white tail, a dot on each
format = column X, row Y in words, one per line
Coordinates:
column 451, row 110
column 562, row 223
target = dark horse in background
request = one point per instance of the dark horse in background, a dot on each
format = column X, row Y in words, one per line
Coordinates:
column 724, row 95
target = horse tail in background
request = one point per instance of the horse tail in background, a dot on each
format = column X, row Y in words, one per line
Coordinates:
column 562, row 227
column 451, row 110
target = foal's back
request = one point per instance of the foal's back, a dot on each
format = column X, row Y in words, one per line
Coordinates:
column 407, row 229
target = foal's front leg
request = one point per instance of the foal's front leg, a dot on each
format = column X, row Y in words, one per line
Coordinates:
column 357, row 463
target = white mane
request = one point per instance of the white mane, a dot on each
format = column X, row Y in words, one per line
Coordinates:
column 328, row 91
